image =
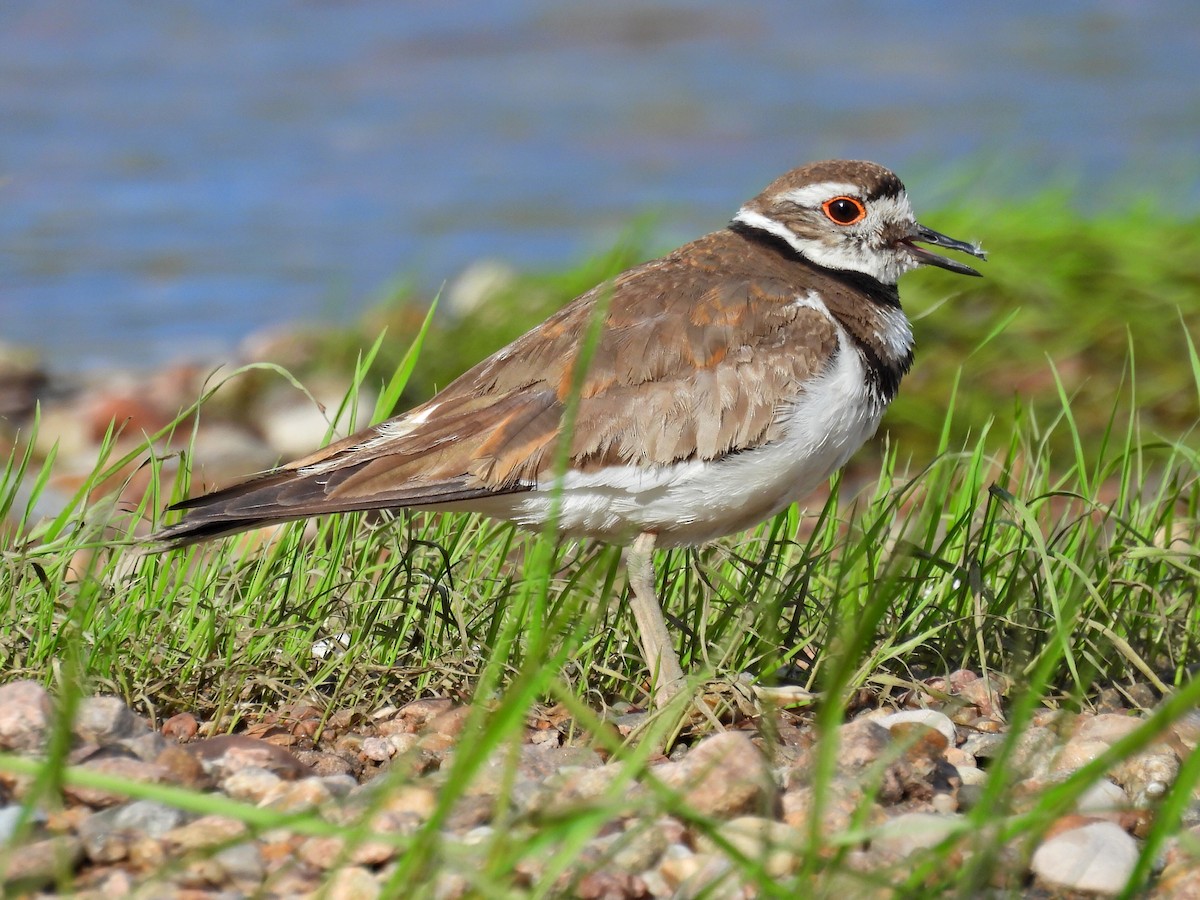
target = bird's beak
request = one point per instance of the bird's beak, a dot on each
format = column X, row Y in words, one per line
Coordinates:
column 929, row 236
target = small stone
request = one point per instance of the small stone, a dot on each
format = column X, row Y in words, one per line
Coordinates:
column 39, row 863
column 107, row 835
column 437, row 744
column 207, row 831
column 1033, row 751
column 417, row 714
column 479, row 835
column 181, row 727
column 841, row 800
column 117, row 883
column 899, row 838
column 119, row 766
column 713, row 878
column 1148, row 775
column 147, row 854
column 470, row 811
column 227, row 753
column 104, row 720
column 378, row 749
column 1102, row 797
column 415, row 800
column 241, row 862
column 147, row 746
column 931, row 718
column 678, row 865
column 325, row 852
column 723, row 776
column 25, row 713
column 982, row 693
column 860, row 743
column 971, row 774
column 1076, row 754
column 450, row 722
column 1179, row 881
column 182, row 768
column 1098, row 857
column 299, row 796
column 777, row 846
column 982, row 745
column 1107, row 728
column 292, row 424
column 635, row 849
column 339, row 785
column 327, row 765
column 571, row 788
column 957, row 758
column 353, row 883
column 322, row 852
column 251, row 784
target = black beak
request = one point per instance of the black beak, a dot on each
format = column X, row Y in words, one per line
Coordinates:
column 929, row 236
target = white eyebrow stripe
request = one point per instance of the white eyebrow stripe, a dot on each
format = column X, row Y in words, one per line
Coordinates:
column 816, row 194
column 753, row 219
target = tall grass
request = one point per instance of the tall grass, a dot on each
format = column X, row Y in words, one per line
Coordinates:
column 1055, row 542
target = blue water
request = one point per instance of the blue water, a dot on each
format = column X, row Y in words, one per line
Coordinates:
column 176, row 176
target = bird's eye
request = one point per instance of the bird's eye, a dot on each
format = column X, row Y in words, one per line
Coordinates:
column 844, row 210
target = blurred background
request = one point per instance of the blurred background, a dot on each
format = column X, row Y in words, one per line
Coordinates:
column 174, row 177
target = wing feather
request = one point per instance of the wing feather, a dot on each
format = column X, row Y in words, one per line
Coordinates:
column 683, row 370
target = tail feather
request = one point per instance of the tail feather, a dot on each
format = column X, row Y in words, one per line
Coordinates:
column 286, row 495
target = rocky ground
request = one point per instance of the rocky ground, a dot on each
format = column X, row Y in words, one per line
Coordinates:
column 906, row 776
column 909, row 775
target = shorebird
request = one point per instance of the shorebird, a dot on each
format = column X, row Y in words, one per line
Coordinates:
column 730, row 378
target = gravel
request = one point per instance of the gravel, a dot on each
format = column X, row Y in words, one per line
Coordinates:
column 902, row 781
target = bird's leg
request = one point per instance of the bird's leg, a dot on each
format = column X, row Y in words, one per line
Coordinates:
column 657, row 646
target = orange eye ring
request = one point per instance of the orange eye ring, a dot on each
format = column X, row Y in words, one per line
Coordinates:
column 844, row 210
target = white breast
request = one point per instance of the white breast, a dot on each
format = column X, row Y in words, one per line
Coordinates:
column 694, row 502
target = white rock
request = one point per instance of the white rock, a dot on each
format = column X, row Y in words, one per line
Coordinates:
column 972, row 775
column 1102, row 797
column 1098, row 857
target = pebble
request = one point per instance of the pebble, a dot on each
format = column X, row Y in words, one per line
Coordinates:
column 1097, row 857
column 241, row 862
column 1102, row 797
column 1148, row 775
column 353, row 883
column 899, row 776
column 900, row 837
column 723, row 776
column 297, row 796
column 39, row 863
column 1108, row 728
column 777, row 846
column 251, row 784
column 207, row 831
column 635, row 849
column 107, row 834
column 105, row 720
column 126, row 767
column 929, row 717
column 25, row 715
column 229, row 753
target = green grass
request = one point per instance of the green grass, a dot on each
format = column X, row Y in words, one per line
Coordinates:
column 1032, row 511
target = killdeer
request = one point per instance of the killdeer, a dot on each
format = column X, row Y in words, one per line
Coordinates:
column 730, row 378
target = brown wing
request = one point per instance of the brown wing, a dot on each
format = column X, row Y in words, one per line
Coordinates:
column 687, row 366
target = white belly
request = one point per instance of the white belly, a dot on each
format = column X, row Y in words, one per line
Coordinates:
column 694, row 502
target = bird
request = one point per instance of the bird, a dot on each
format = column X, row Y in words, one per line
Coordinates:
column 721, row 383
